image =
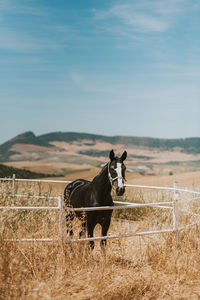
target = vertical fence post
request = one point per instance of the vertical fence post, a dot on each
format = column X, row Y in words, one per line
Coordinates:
column 175, row 209
column 60, row 222
column 13, row 184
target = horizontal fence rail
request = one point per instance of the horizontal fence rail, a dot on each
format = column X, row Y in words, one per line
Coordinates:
column 30, row 207
column 124, row 235
column 131, row 205
column 126, row 185
column 36, row 180
column 120, row 235
column 172, row 205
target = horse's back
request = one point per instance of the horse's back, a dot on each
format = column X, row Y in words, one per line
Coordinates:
column 71, row 187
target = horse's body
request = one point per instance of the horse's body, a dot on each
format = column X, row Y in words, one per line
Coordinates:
column 83, row 193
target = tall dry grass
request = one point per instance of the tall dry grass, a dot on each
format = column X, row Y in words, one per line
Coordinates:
column 145, row 267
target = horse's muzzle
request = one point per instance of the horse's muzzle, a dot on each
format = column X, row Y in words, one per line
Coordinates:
column 120, row 191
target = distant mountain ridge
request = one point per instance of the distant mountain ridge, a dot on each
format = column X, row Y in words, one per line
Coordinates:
column 187, row 145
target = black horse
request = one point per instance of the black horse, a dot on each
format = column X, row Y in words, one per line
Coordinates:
column 83, row 193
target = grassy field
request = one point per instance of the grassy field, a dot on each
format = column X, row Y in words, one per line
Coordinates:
column 145, row 267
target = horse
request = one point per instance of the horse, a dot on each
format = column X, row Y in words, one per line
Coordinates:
column 83, row 193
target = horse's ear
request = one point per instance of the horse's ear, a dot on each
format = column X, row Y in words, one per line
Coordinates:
column 124, row 155
column 112, row 155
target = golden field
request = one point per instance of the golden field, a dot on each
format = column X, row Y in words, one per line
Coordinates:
column 144, row 267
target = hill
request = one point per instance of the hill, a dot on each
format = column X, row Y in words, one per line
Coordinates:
column 46, row 142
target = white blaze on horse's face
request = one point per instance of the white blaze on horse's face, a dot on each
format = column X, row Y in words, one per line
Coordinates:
column 119, row 176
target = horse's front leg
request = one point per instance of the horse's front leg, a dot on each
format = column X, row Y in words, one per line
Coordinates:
column 90, row 230
column 104, row 228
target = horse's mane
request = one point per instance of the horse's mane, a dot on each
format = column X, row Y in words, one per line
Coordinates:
column 102, row 171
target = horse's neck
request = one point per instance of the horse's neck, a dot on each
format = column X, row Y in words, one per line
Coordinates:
column 101, row 182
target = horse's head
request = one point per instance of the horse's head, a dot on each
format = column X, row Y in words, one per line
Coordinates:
column 116, row 172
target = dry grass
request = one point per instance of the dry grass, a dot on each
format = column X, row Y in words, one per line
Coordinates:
column 147, row 267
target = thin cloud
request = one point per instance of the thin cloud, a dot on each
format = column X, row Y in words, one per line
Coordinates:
column 142, row 16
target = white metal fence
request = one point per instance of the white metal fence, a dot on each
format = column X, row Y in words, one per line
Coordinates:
column 172, row 205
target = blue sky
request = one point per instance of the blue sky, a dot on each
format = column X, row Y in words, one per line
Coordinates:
column 121, row 67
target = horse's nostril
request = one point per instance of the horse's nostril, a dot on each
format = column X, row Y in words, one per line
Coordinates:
column 120, row 191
